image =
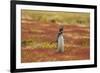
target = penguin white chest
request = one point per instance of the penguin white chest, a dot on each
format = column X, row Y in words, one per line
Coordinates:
column 61, row 43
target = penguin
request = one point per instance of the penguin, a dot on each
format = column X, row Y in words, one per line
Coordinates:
column 60, row 41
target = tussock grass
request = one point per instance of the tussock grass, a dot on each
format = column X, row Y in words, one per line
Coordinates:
column 64, row 17
column 36, row 45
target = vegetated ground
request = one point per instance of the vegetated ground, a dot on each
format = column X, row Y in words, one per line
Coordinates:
column 39, row 36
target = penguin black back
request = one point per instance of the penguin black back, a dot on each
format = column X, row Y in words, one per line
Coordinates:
column 60, row 32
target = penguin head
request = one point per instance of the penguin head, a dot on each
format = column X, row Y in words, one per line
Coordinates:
column 61, row 29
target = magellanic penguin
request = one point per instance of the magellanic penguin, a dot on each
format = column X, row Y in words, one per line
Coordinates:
column 60, row 40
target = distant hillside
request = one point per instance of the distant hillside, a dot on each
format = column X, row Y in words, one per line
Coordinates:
column 50, row 16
